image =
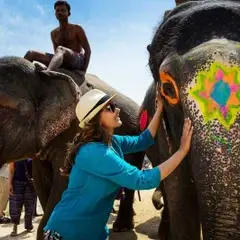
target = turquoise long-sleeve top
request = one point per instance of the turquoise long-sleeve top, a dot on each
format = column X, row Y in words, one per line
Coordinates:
column 96, row 177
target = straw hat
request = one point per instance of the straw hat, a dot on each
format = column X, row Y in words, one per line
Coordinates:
column 90, row 104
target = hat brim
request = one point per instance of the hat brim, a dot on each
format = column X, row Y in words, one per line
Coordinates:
column 95, row 112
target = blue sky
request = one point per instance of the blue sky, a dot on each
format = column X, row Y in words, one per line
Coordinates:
column 118, row 33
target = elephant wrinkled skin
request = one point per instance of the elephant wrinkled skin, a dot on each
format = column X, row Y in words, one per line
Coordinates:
column 37, row 111
column 195, row 57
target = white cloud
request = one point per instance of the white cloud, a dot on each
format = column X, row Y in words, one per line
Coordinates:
column 19, row 33
column 40, row 9
column 122, row 59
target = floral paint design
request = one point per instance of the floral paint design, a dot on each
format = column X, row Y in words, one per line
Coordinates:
column 217, row 91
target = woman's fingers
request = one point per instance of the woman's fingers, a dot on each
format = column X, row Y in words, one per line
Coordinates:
column 191, row 132
column 189, row 135
column 184, row 127
column 188, row 126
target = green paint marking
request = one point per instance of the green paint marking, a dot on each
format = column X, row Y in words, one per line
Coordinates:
column 201, row 92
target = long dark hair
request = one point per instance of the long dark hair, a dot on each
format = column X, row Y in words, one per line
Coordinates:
column 92, row 132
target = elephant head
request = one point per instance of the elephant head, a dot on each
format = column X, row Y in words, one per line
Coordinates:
column 195, row 58
column 35, row 107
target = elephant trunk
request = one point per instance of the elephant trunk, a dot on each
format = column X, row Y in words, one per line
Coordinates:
column 218, row 186
column 220, row 221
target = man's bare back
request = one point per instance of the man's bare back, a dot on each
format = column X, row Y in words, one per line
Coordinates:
column 69, row 41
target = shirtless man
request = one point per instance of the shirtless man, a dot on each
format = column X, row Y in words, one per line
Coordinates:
column 69, row 41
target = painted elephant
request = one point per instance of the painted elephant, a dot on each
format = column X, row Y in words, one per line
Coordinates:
column 195, row 58
column 37, row 112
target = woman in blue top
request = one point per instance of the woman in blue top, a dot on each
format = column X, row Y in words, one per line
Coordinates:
column 97, row 169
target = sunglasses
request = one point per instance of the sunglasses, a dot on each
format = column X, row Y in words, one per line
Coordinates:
column 111, row 107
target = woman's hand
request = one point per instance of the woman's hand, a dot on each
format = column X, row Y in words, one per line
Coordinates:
column 154, row 124
column 186, row 136
column 169, row 165
column 158, row 100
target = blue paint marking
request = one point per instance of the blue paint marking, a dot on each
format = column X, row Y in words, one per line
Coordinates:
column 221, row 93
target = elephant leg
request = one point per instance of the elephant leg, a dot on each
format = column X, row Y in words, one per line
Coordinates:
column 124, row 221
column 164, row 225
column 180, row 216
column 42, row 174
column 181, row 203
column 58, row 185
column 156, row 157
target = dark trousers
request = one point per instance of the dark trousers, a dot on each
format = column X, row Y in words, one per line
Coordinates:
column 35, row 208
column 23, row 195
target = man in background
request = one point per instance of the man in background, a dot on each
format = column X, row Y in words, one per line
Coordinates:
column 69, row 42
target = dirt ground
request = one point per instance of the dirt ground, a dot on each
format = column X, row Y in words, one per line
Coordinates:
column 146, row 222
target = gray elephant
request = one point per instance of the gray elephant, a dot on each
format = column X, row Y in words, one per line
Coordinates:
column 37, row 112
column 195, row 58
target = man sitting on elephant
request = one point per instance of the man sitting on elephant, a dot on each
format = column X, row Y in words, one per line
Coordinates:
column 69, row 41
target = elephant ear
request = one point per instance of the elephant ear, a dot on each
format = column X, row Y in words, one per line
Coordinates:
column 56, row 102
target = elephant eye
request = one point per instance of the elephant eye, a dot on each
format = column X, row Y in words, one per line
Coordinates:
column 169, row 88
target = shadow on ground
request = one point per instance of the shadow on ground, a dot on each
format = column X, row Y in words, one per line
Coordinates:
column 131, row 235
column 20, row 236
column 23, row 234
column 146, row 223
column 149, row 228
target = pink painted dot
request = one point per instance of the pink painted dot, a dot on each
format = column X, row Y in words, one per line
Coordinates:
column 224, row 111
column 203, row 94
column 219, row 74
column 234, row 88
column 143, row 120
